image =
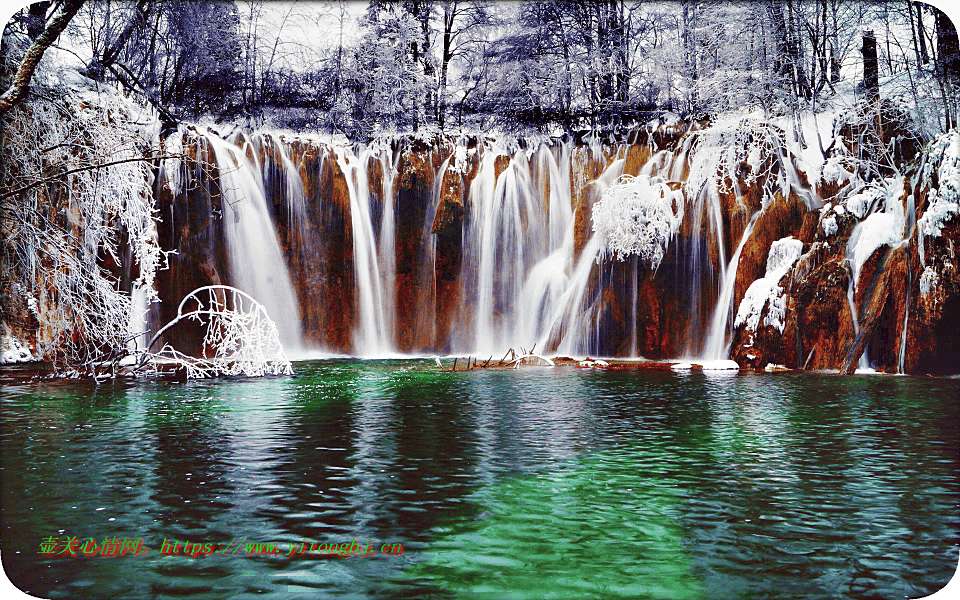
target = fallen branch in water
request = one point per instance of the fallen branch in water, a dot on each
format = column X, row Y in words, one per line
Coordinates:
column 240, row 334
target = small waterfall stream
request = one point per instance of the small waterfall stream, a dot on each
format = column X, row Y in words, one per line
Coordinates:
column 373, row 337
column 717, row 346
column 256, row 261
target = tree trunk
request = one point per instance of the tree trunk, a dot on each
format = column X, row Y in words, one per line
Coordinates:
column 921, row 35
column 21, row 82
column 871, row 68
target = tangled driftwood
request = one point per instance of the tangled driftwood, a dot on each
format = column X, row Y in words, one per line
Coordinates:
column 241, row 337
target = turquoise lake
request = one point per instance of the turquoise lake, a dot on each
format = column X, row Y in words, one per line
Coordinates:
column 529, row 483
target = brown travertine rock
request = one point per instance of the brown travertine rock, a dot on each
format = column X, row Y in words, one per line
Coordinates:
column 782, row 217
column 823, row 320
column 933, row 330
column 414, row 285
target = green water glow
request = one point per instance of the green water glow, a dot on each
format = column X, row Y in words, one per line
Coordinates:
column 538, row 483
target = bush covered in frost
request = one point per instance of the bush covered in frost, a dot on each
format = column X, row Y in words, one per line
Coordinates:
column 637, row 216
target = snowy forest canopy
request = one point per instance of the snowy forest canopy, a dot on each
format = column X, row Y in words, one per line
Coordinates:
column 365, row 69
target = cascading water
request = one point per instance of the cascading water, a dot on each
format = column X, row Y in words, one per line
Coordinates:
column 256, row 261
column 372, row 338
column 717, row 346
column 529, row 270
column 505, row 238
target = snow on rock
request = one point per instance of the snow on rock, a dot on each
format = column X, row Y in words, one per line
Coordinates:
column 12, row 350
column 829, row 226
column 860, row 203
column 944, row 201
column 783, row 254
column 460, row 164
column 833, row 171
column 928, row 281
column 637, row 215
column 876, row 230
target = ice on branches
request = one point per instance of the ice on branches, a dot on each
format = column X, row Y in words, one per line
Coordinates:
column 241, row 338
column 78, row 185
column 944, row 200
column 637, row 216
column 720, row 152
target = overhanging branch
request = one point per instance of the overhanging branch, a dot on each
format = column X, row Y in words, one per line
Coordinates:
column 21, row 83
column 40, row 182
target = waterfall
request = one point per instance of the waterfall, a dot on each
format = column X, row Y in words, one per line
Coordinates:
column 504, row 239
column 372, row 337
column 717, row 346
column 256, row 261
column 292, row 185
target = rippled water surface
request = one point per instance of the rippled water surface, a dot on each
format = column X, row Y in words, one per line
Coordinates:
column 535, row 483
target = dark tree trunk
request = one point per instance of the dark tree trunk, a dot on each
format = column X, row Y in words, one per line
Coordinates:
column 921, row 36
column 21, row 81
column 871, row 68
column 948, row 48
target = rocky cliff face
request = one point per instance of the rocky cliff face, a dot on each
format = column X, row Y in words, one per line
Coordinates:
column 833, row 269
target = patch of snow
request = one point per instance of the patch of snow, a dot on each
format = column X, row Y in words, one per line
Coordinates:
column 859, row 204
column 783, row 254
column 773, row 367
column 460, row 159
column 928, row 281
column 833, row 171
column 839, row 209
column 876, row 230
column 829, row 226
column 681, row 367
column 944, row 201
column 12, row 350
column 753, row 159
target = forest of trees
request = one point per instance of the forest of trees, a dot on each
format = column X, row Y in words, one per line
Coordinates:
column 362, row 69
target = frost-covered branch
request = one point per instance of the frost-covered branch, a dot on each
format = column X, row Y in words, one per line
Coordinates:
column 637, row 216
column 61, row 174
column 240, row 339
column 76, row 197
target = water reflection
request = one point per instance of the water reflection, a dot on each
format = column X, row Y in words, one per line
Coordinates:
column 536, row 482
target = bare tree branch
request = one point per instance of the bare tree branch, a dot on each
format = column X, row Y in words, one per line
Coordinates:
column 59, row 175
